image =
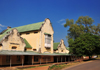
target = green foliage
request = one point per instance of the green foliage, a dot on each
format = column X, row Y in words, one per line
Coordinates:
column 69, row 22
column 70, row 41
column 87, row 44
column 81, row 26
column 95, row 29
column 83, row 36
column 57, row 67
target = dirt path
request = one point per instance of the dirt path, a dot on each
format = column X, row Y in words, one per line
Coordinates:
column 93, row 65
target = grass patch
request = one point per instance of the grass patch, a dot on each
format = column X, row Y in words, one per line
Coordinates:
column 61, row 66
column 57, row 67
column 98, row 57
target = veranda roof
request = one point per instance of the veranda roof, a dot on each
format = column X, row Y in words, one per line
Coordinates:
column 5, row 52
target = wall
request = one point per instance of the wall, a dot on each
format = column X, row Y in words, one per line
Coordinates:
column 42, row 59
column 47, row 28
column 0, row 47
column 13, row 39
column 33, row 39
column 61, row 47
column 0, row 59
column 37, row 40
column 29, row 49
column 13, row 60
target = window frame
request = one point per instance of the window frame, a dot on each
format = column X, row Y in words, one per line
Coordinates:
column 36, row 58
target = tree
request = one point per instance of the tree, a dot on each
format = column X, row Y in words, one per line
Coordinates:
column 87, row 44
column 83, row 36
column 81, row 26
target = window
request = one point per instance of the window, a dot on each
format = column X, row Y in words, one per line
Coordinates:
column 35, row 58
column 34, row 49
column 20, row 34
column 61, row 50
column 48, row 41
column 18, row 58
column 47, row 58
column 35, row 32
column 27, row 33
column 14, row 47
column 7, row 59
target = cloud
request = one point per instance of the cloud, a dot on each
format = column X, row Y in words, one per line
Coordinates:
column 1, row 26
column 63, row 23
column 61, row 20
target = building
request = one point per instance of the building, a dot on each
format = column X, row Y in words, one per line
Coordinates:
column 60, row 47
column 30, row 44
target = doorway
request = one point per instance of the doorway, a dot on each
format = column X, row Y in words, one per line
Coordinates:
column 27, row 59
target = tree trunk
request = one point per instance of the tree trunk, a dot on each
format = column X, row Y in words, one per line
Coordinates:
column 97, row 56
column 90, row 57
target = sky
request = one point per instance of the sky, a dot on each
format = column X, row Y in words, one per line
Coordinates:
column 16, row 13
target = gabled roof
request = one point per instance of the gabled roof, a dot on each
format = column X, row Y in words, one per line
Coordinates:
column 25, row 28
column 27, row 44
column 55, row 45
column 3, row 31
column 2, row 36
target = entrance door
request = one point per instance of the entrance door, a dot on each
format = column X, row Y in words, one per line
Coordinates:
column 27, row 59
column 55, row 58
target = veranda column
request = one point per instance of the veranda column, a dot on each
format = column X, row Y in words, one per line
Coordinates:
column 22, row 60
column 61, row 59
column 57, row 59
column 10, row 61
column 32, row 59
column 46, row 60
column 68, row 58
column 73, row 58
column 40, row 59
column 65, row 58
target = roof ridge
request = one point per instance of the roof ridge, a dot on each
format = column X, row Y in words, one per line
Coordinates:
column 28, row 27
column 29, row 24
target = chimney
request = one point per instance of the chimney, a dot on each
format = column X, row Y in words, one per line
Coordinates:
column 8, row 27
